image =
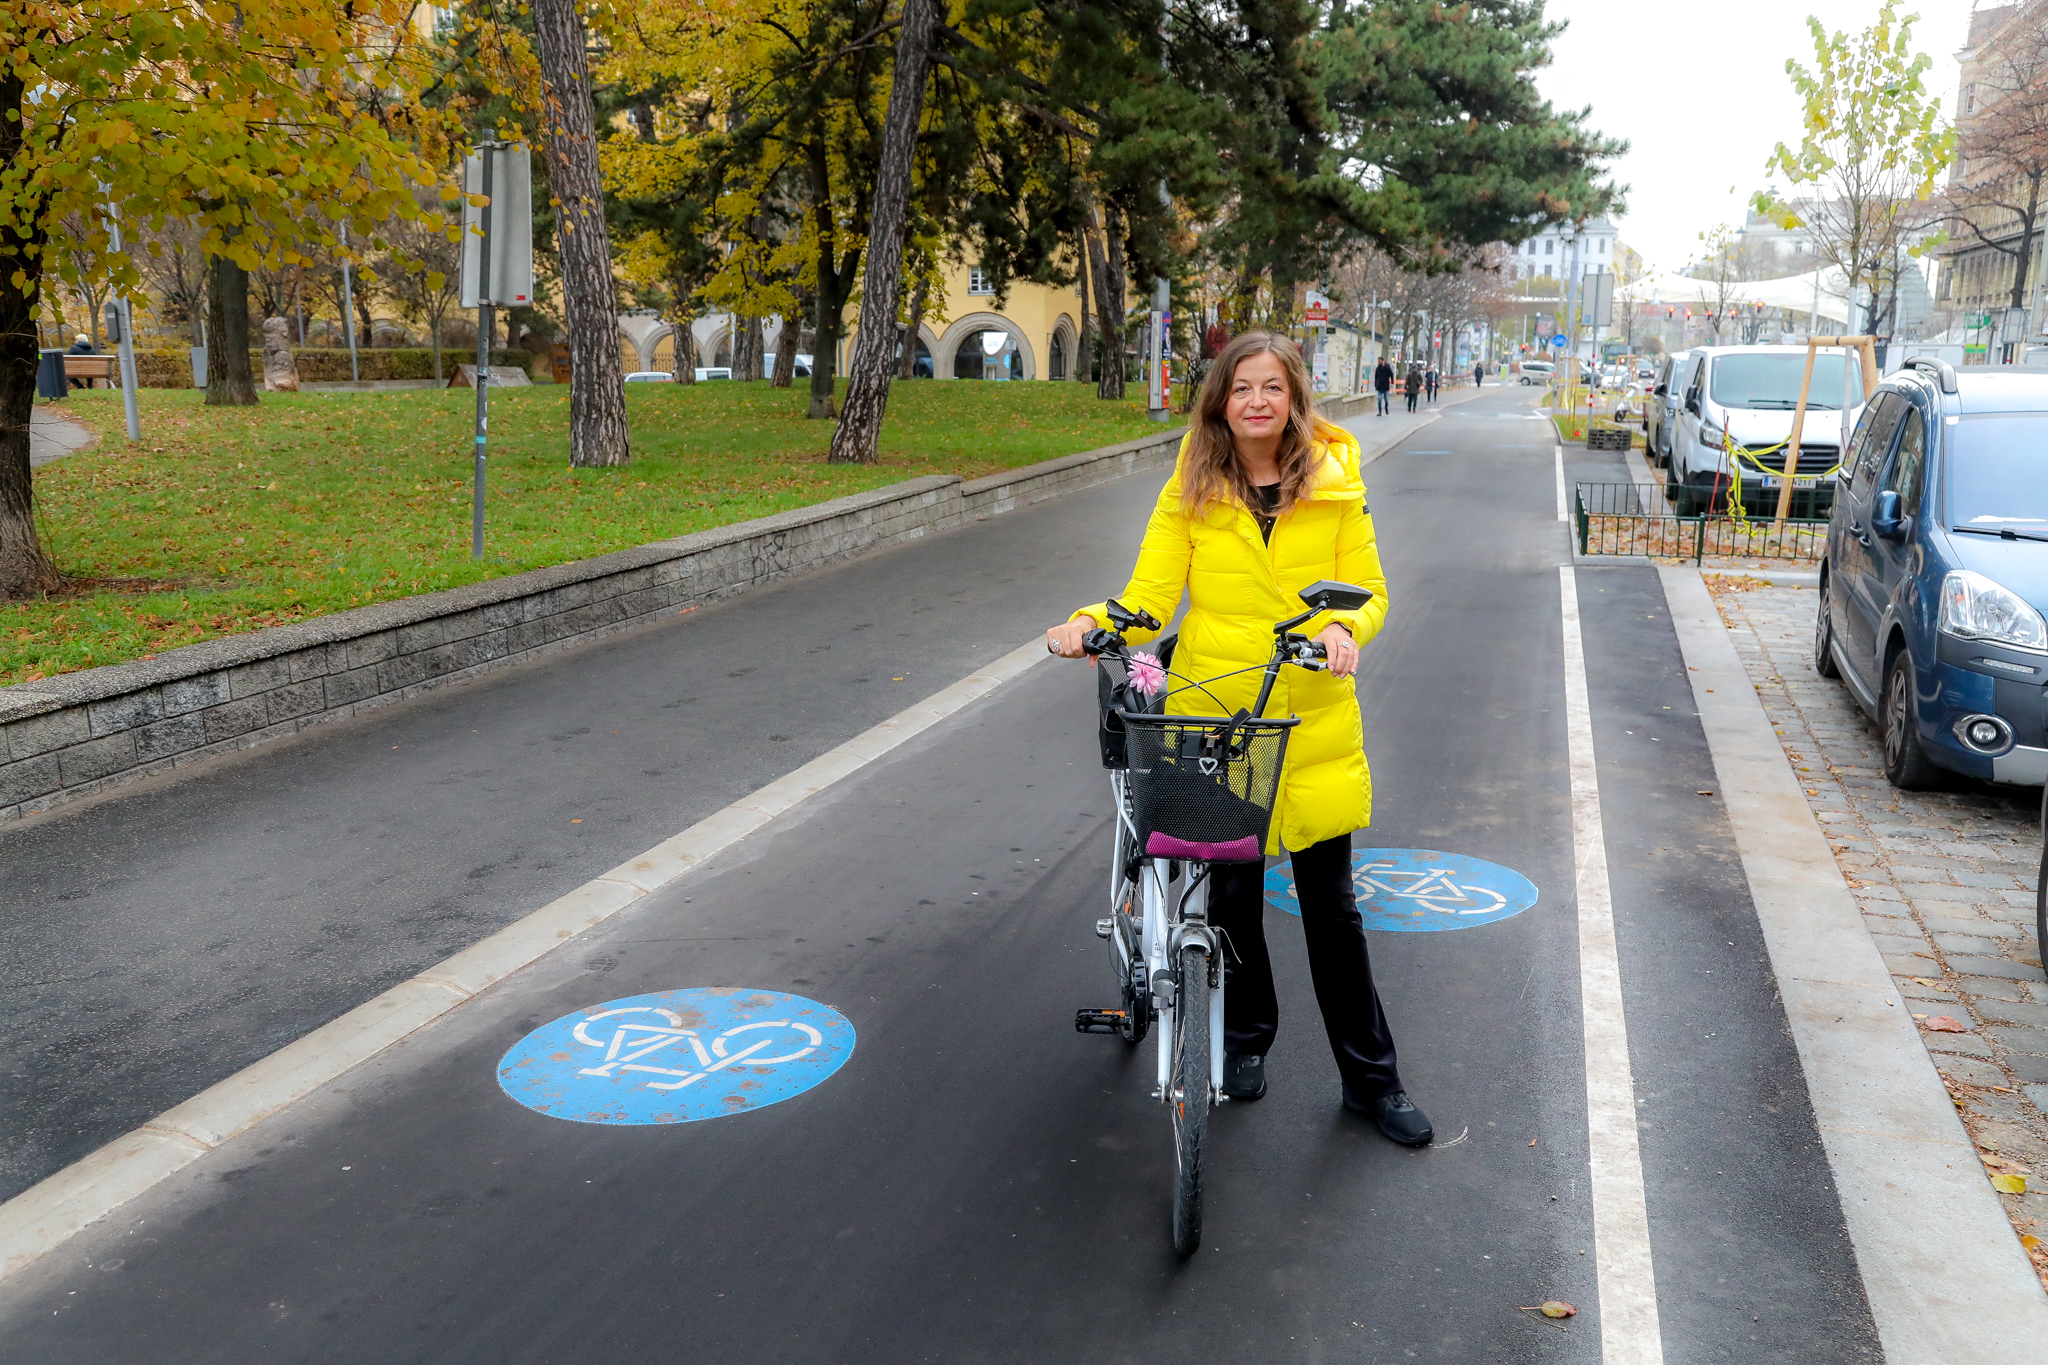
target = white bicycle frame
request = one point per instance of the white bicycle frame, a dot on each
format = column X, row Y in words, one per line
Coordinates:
column 1164, row 912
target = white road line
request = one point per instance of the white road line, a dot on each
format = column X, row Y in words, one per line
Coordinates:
column 44, row 1215
column 1629, row 1332
column 1563, row 508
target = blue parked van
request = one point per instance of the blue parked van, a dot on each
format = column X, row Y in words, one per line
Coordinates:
column 1934, row 591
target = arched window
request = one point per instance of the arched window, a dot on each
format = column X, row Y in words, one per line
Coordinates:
column 988, row 354
column 1056, row 368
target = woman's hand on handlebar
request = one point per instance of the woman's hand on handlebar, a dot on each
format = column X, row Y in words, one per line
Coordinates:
column 1065, row 639
column 1341, row 649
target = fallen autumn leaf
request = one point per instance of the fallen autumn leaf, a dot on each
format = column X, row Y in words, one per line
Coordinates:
column 2009, row 1184
column 1941, row 1023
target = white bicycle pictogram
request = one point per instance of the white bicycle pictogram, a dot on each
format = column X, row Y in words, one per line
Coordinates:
column 1429, row 887
column 630, row 1042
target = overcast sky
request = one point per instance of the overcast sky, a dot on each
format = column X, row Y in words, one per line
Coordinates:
column 1701, row 96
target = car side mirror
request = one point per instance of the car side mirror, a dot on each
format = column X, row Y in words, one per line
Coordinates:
column 1329, row 595
column 1663, row 391
column 1885, row 521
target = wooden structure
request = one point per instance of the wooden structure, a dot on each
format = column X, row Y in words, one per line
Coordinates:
column 1866, row 347
column 91, row 367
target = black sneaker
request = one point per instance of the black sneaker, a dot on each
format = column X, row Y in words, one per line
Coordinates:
column 1244, row 1075
column 1396, row 1116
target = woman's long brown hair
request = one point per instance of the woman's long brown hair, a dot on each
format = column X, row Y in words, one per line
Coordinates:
column 1212, row 470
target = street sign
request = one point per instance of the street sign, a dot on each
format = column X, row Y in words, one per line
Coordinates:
column 1557, row 341
column 1317, row 311
column 497, row 268
column 507, row 221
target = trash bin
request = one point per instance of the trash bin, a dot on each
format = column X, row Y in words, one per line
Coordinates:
column 50, row 375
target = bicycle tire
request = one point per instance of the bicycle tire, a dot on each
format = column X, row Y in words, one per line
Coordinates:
column 1190, row 1099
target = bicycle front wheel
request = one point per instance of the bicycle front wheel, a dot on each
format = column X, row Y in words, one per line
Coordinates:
column 1190, row 1097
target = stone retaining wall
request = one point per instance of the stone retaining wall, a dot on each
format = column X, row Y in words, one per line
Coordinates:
column 69, row 736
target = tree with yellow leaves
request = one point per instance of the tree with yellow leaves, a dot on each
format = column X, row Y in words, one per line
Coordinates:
column 268, row 126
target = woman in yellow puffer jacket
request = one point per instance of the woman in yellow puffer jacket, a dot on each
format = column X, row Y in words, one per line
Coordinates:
column 1266, row 499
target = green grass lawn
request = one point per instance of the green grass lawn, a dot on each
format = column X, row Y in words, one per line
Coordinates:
column 223, row 520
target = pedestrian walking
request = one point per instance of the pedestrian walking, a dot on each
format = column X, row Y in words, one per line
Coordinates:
column 1412, row 385
column 1429, row 382
column 1478, row 375
column 1261, row 482
column 1382, row 383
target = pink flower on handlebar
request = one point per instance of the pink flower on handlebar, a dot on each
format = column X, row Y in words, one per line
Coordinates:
column 1148, row 675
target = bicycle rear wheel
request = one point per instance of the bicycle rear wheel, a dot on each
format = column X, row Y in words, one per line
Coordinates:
column 1190, row 1097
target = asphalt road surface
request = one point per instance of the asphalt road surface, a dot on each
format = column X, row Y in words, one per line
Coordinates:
column 976, row 1182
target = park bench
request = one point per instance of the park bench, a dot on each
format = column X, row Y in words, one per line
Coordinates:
column 91, row 367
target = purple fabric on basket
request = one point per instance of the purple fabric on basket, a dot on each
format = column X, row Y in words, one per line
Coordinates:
column 1245, row 850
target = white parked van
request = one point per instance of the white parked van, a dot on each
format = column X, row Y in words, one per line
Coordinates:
column 1747, row 394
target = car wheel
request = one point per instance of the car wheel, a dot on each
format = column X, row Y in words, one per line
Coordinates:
column 1824, row 636
column 1906, row 764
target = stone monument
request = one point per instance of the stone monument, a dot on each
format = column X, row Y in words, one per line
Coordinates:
column 280, row 371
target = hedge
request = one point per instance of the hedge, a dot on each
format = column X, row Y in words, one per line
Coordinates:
column 322, row 364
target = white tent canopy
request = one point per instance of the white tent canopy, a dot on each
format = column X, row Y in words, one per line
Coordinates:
column 1793, row 293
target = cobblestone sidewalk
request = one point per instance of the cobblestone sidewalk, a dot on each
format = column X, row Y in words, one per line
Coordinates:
column 1946, row 882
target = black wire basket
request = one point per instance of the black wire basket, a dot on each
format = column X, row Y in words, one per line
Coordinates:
column 1203, row 787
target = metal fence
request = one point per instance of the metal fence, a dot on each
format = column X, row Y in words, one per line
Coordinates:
column 1635, row 519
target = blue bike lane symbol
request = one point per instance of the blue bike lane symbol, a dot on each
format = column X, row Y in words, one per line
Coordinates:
column 1419, row 890
column 677, row 1056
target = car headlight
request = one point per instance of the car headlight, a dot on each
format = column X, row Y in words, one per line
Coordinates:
column 1976, row 608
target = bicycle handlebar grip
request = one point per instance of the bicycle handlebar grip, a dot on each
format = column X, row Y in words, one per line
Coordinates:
column 1101, row 642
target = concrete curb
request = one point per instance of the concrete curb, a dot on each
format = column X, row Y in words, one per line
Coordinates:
column 46, row 1214
column 1946, row 1279
column 76, row 734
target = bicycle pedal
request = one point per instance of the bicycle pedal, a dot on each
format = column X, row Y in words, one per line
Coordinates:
column 1103, row 928
column 1099, row 1021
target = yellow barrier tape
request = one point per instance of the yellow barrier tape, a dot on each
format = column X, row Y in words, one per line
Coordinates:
column 1737, row 513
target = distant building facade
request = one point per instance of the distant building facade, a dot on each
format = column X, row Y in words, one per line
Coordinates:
column 1976, row 275
column 1033, row 334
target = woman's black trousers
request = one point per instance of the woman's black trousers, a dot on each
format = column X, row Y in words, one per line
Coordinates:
column 1337, row 962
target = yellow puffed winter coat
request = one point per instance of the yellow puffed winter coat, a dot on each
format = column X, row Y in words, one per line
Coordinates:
column 1238, row 586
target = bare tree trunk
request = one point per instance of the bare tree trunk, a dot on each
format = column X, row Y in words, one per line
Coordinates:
column 365, row 325
column 682, row 348
column 2026, row 253
column 598, row 435
column 1084, row 365
column 746, row 348
column 1109, row 307
column 229, row 380
column 874, row 348
column 906, row 364
column 25, row 567
column 785, row 349
column 835, row 284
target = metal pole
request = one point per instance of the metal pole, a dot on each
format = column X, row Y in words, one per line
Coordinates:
column 348, row 311
column 485, row 322
column 127, row 344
